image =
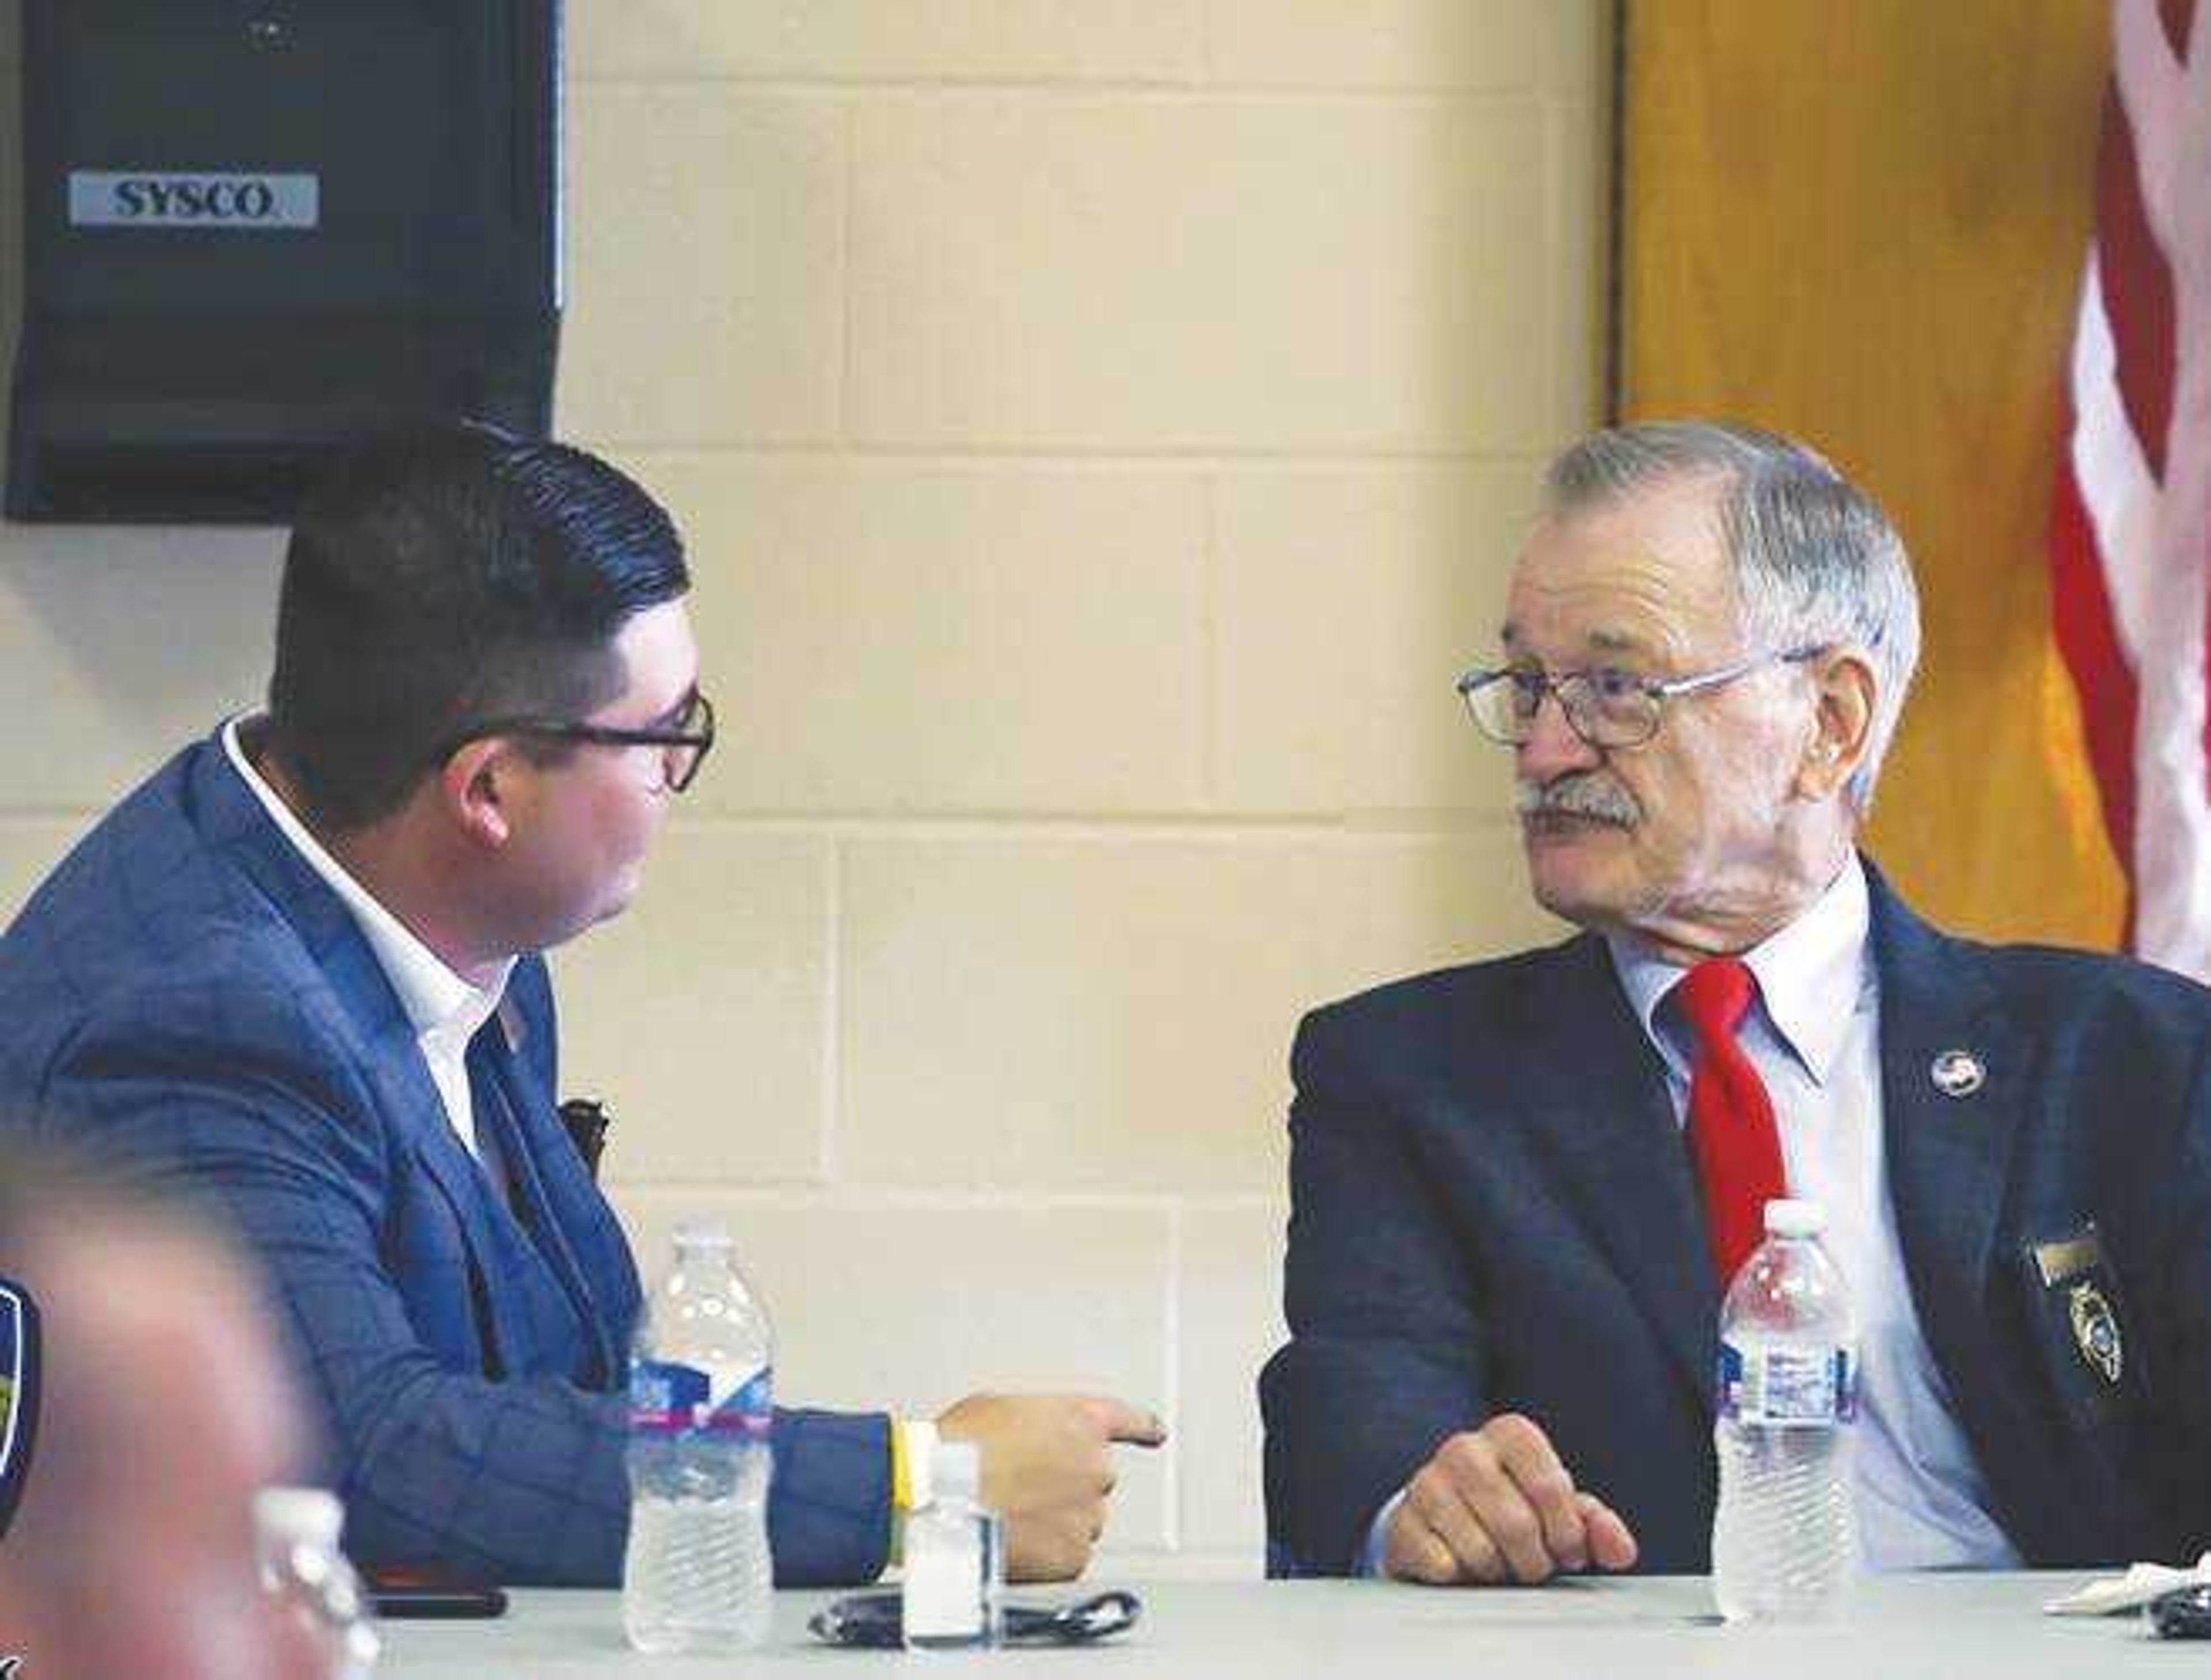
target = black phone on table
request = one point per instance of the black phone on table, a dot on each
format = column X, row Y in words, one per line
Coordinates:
column 429, row 1594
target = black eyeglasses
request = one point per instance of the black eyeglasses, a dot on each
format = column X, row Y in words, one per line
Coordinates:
column 683, row 744
column 1604, row 707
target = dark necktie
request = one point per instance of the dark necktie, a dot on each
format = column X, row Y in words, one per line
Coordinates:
column 1731, row 1116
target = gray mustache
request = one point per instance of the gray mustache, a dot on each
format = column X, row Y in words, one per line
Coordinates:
column 1590, row 795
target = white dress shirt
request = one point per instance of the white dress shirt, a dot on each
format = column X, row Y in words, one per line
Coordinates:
column 1814, row 1035
column 445, row 1010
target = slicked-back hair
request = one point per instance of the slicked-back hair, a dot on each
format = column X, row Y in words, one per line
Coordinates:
column 1817, row 562
column 444, row 578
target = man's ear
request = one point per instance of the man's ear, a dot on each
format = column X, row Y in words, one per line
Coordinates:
column 476, row 788
column 1846, row 691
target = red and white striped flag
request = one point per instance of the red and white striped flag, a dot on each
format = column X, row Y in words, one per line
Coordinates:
column 2131, row 526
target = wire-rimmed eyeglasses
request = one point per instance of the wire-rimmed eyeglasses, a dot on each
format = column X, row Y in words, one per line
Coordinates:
column 1605, row 706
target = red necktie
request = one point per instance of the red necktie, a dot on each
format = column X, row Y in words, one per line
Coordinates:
column 1730, row 1115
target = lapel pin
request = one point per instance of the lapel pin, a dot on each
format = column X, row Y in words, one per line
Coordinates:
column 1958, row 1073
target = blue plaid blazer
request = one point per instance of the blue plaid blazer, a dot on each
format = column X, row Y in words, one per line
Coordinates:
column 185, row 997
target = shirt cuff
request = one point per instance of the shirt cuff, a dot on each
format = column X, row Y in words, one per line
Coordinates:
column 1378, row 1535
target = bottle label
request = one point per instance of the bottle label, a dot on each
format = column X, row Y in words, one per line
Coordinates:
column 667, row 1397
column 1788, row 1385
column 944, row 1596
column 749, row 1410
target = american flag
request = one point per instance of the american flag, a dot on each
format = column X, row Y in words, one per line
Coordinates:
column 2131, row 526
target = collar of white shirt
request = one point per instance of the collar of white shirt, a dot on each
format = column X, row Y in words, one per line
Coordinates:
column 1809, row 977
column 445, row 1010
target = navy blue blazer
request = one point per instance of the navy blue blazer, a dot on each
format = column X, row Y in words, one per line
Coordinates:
column 1492, row 1210
column 185, row 995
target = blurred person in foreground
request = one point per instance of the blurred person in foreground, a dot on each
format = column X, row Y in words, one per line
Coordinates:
column 164, row 1408
column 298, row 972
column 1519, row 1187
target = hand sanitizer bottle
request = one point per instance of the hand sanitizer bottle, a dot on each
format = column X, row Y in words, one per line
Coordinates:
column 955, row 1559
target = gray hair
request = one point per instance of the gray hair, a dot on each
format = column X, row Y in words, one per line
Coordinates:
column 1816, row 562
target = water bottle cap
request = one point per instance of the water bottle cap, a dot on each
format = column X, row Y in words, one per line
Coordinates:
column 702, row 1233
column 956, row 1470
column 314, row 1515
column 1787, row 1217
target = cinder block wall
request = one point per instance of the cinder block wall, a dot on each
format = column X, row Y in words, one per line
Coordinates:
column 1101, row 428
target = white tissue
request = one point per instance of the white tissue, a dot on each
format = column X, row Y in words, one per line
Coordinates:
column 2141, row 1583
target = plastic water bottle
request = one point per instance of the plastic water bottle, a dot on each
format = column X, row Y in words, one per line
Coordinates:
column 296, row 1534
column 697, row 1576
column 1784, row 1540
column 955, row 1560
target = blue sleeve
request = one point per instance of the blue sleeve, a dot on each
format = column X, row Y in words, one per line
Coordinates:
column 211, row 1095
column 517, row 1479
column 1384, row 1360
column 829, row 1507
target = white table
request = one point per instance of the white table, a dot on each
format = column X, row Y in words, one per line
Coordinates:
column 1955, row 1626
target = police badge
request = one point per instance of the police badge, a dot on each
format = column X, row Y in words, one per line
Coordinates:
column 19, row 1393
column 2079, row 1310
column 2096, row 1331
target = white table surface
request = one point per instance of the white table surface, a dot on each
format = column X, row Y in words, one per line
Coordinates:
column 1955, row 1626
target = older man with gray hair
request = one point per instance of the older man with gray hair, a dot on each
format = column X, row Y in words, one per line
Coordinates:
column 1519, row 1187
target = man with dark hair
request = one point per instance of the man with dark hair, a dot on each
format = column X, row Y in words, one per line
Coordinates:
column 298, row 970
column 443, row 582
column 1519, row 1187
